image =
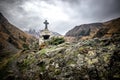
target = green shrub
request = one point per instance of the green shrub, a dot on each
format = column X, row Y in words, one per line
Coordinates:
column 56, row 41
column 25, row 46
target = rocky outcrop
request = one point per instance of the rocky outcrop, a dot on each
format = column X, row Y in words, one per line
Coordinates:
column 93, row 59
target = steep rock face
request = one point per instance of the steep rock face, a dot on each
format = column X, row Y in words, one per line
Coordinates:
column 12, row 38
column 84, row 30
column 111, row 27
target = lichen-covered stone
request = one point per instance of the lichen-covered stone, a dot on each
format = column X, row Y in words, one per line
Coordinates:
column 85, row 60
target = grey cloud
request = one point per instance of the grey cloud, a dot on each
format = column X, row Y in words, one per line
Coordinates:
column 78, row 12
column 106, row 9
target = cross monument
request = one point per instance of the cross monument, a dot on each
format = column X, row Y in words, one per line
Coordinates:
column 46, row 23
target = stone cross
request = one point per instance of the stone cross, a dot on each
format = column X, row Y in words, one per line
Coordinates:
column 46, row 23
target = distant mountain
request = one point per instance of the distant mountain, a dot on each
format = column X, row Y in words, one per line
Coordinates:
column 37, row 33
column 84, row 30
column 87, row 31
column 12, row 38
column 56, row 34
column 33, row 32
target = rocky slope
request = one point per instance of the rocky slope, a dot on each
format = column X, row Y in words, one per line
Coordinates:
column 12, row 35
column 88, row 31
column 84, row 30
column 12, row 39
column 93, row 59
column 110, row 28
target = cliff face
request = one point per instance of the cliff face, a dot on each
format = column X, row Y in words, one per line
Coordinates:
column 12, row 38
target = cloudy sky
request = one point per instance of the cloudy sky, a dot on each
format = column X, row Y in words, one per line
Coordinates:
column 62, row 15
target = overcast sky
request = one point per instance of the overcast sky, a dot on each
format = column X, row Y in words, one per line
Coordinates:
column 62, row 15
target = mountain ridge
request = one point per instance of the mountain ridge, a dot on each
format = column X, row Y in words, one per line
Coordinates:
column 94, row 30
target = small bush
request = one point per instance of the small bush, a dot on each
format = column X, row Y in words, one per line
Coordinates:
column 25, row 46
column 56, row 41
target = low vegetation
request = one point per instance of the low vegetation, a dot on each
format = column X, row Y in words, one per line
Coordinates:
column 93, row 59
column 56, row 41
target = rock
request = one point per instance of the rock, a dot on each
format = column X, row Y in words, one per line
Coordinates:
column 85, row 60
column 91, row 54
